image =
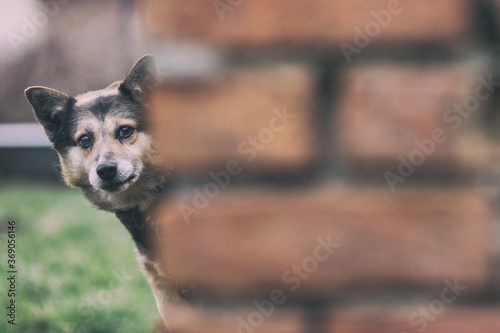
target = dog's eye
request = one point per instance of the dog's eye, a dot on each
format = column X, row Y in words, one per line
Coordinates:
column 125, row 131
column 85, row 141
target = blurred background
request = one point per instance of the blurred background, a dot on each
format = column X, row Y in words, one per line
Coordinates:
column 372, row 122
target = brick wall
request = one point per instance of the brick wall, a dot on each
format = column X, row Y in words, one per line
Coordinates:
column 335, row 163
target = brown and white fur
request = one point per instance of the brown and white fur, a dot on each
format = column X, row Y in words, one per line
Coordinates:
column 107, row 151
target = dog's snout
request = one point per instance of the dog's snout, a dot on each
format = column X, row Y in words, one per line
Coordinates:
column 107, row 171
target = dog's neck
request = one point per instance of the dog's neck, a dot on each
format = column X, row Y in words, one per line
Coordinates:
column 135, row 222
column 138, row 221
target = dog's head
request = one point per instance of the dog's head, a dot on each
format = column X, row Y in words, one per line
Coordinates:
column 101, row 136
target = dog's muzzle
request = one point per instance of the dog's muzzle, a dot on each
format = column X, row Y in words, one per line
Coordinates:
column 107, row 171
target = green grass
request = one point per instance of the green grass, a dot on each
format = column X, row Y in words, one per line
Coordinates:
column 76, row 265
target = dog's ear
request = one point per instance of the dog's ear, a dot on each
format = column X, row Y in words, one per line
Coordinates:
column 49, row 106
column 141, row 79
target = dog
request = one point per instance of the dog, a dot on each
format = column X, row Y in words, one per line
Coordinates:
column 107, row 150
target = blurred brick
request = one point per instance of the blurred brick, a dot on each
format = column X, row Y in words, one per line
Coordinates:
column 395, row 320
column 202, row 126
column 386, row 108
column 249, row 319
column 243, row 242
column 375, row 319
column 297, row 22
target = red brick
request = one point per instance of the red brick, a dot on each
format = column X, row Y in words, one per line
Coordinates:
column 244, row 241
column 375, row 319
column 453, row 320
column 201, row 126
column 385, row 108
column 288, row 22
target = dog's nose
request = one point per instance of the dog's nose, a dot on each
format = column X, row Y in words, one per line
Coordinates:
column 106, row 171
